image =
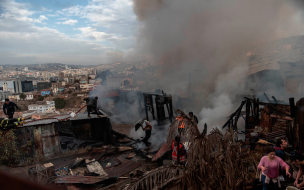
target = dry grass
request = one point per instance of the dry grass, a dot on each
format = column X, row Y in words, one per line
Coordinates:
column 213, row 162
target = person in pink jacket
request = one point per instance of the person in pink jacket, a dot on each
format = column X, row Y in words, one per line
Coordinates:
column 269, row 165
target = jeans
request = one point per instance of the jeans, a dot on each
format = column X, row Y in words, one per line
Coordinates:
column 10, row 115
column 89, row 108
column 270, row 186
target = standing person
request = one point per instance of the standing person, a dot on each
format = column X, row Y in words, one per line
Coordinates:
column 281, row 144
column 269, row 165
column 181, row 151
column 9, row 108
column 148, row 131
column 92, row 105
column 279, row 148
column 193, row 117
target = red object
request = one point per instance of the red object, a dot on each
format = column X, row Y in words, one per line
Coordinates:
column 182, row 156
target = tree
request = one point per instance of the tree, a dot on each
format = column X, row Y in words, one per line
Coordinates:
column 40, row 98
column 69, row 91
column 22, row 96
column 59, row 103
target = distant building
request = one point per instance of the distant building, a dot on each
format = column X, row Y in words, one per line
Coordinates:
column 45, row 92
column 86, row 87
column 43, row 85
column 48, row 107
column 115, row 81
column 26, row 69
column 5, row 86
column 61, row 75
column 46, row 75
column 1, row 67
column 57, row 87
column 27, row 86
column 16, row 96
column 4, row 94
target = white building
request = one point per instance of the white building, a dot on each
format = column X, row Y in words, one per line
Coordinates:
column 16, row 96
column 46, row 75
column 86, row 87
column 26, row 69
column 48, row 107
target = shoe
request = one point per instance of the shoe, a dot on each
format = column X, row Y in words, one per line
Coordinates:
column 281, row 178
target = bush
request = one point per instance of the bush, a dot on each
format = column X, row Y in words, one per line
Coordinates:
column 9, row 153
column 59, row 103
column 22, row 96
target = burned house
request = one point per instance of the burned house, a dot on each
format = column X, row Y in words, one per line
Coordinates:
column 58, row 135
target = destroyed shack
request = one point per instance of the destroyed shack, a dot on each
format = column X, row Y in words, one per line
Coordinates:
column 55, row 136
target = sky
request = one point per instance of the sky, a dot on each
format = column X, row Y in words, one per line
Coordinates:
column 81, row 32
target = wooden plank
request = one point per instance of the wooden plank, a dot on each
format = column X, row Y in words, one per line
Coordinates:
column 79, row 179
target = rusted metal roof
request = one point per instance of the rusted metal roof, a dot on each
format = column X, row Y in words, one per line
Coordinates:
column 123, row 168
column 79, row 179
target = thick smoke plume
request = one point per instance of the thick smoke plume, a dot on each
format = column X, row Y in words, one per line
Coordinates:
column 207, row 42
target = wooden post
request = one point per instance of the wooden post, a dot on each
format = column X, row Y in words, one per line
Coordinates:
column 247, row 113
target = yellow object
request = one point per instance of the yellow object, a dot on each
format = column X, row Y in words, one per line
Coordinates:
column 264, row 142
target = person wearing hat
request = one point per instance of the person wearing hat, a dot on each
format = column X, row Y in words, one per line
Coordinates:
column 9, row 108
column 193, row 117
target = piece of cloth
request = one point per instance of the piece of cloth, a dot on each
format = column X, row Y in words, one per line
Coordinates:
column 90, row 108
column 270, row 184
column 272, row 166
column 182, row 152
column 9, row 108
column 279, row 152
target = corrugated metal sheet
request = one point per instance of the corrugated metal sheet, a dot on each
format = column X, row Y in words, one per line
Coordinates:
column 44, row 135
column 50, row 140
column 122, row 169
column 79, row 179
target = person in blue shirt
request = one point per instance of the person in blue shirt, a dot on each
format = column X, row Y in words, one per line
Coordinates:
column 9, row 108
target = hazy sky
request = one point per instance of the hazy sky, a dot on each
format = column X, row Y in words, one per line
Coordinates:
column 66, row 31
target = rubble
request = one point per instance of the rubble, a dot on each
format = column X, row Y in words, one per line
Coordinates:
column 119, row 164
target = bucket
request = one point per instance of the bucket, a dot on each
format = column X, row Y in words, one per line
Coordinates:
column 291, row 188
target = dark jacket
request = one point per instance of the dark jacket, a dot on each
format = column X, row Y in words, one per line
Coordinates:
column 92, row 102
column 9, row 108
column 279, row 152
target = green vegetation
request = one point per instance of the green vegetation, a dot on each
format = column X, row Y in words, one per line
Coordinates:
column 59, row 103
column 40, row 98
column 9, row 153
column 22, row 96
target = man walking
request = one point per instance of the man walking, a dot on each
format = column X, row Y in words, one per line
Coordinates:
column 9, row 108
column 148, row 131
column 92, row 105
